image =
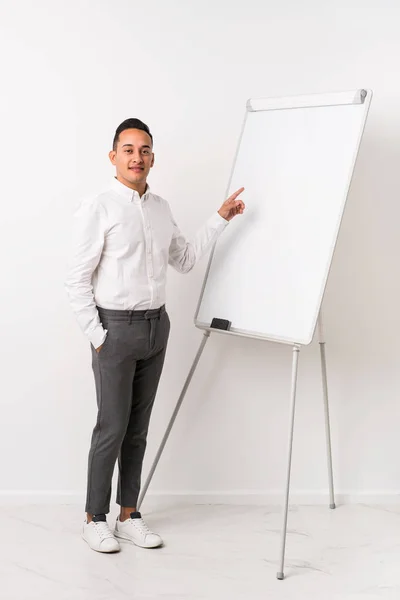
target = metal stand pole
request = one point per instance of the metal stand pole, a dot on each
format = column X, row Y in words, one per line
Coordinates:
column 296, row 350
column 326, row 411
column 172, row 420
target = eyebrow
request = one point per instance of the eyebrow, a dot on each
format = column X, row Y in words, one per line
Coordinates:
column 145, row 146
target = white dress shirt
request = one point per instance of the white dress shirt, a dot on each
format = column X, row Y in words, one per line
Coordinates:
column 122, row 244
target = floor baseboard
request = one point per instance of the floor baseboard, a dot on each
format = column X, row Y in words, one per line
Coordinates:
column 164, row 498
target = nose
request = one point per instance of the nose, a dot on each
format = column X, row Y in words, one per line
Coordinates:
column 137, row 157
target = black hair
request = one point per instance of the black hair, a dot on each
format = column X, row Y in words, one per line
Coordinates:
column 130, row 124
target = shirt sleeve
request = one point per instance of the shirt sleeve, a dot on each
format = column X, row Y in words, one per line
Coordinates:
column 88, row 235
column 185, row 253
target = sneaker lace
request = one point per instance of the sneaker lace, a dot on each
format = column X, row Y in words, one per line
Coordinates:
column 141, row 526
column 103, row 530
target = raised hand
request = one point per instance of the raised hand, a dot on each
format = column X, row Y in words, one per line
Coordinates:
column 232, row 206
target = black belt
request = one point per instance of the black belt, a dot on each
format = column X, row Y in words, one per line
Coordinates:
column 131, row 315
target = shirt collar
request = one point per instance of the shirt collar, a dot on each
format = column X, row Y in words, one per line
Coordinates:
column 126, row 192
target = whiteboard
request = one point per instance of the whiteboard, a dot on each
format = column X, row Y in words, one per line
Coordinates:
column 267, row 272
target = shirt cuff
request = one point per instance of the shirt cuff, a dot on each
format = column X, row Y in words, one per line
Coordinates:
column 98, row 337
column 217, row 222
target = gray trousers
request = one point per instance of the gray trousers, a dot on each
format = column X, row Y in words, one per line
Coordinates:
column 127, row 371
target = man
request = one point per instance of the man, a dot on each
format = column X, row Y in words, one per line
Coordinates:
column 124, row 239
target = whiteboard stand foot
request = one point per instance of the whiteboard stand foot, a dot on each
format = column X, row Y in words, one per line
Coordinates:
column 280, row 576
column 296, row 350
column 172, row 420
column 326, row 413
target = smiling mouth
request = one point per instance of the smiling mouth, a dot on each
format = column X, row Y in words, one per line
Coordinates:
column 136, row 168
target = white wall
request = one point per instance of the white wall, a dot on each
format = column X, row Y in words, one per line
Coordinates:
column 71, row 72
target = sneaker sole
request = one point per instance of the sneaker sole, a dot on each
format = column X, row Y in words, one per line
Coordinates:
column 126, row 538
column 100, row 551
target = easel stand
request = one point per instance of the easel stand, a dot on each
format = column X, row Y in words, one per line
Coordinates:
column 296, row 352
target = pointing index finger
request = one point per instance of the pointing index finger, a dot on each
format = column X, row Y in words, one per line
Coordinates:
column 235, row 195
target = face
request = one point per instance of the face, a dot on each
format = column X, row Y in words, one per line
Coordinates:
column 133, row 157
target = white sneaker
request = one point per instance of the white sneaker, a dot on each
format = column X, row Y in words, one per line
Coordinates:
column 99, row 536
column 135, row 530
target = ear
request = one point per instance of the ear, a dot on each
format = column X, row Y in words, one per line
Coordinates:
column 152, row 160
column 111, row 156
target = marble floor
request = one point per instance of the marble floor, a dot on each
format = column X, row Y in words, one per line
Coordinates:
column 211, row 552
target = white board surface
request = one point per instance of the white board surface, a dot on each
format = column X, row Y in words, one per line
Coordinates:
column 267, row 272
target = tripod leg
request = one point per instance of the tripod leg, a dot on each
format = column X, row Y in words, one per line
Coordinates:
column 326, row 413
column 296, row 350
column 172, row 420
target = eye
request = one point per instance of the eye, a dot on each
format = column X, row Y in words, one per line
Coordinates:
column 146, row 152
column 128, row 150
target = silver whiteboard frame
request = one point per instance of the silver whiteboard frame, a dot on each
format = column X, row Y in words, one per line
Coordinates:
column 358, row 96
